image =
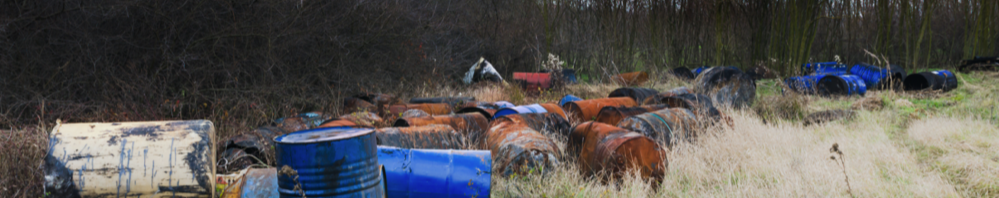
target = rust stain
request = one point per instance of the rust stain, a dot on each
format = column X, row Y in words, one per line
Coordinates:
column 585, row 110
column 466, row 123
column 516, row 148
column 601, row 147
column 433, row 136
column 612, row 115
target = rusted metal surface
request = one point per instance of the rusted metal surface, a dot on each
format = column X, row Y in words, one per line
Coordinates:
column 466, row 123
column 547, row 124
column 700, row 104
column 352, row 104
column 601, row 147
column 612, row 115
column 585, row 110
column 433, row 136
column 337, row 122
column 414, row 113
column 727, row 87
column 533, row 81
column 554, row 108
column 484, row 111
column 302, row 121
column 362, row 119
column 667, row 126
column 517, row 148
column 147, row 159
column 631, row 78
column 452, row 101
column 638, row 94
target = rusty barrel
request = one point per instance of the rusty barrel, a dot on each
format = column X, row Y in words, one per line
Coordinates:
column 435, row 173
column 727, row 87
column 464, row 123
column 666, row 126
column 532, row 108
column 487, row 109
column 602, row 147
column 395, row 111
column 546, row 123
column 584, row 110
column 638, row 94
column 414, row 113
column 302, row 121
column 517, row 148
column 700, row 104
column 631, row 78
column 612, row 115
column 433, row 136
column 328, row 162
column 452, row 101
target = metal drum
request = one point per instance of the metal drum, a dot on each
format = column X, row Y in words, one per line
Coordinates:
column 436, row 173
column 328, row 162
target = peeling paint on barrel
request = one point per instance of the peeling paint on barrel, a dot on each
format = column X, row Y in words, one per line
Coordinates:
column 666, row 126
column 585, row 110
column 547, row 124
column 601, row 147
column 433, row 136
column 467, row 123
column 517, row 148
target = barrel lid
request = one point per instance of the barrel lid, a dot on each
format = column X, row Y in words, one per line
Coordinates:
column 322, row 134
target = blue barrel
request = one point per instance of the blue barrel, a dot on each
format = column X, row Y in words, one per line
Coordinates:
column 329, row 162
column 568, row 98
column 842, row 85
column 569, row 76
column 838, row 69
column 503, row 104
column 532, row 108
column 877, row 77
column 809, row 68
column 436, row 173
column 803, row 84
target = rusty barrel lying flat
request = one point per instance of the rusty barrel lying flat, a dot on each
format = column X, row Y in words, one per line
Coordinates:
column 585, row 110
column 395, row 111
column 433, row 136
column 466, row 123
column 631, row 78
column 302, row 121
column 700, row 104
column 612, row 115
column 487, row 109
column 546, row 123
column 532, row 108
column 355, row 119
column 666, row 126
column 517, row 148
column 638, row 94
column 601, row 147
column 727, row 87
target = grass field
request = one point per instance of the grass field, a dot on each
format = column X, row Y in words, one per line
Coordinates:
column 913, row 145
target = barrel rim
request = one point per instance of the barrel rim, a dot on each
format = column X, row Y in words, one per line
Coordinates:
column 357, row 133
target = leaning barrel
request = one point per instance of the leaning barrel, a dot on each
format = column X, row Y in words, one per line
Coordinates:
column 935, row 80
column 436, row 173
column 328, row 162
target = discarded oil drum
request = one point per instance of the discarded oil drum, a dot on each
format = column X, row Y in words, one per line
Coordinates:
column 700, row 104
column 682, row 73
column 831, row 68
column 533, row 81
column 697, row 71
column 935, row 80
column 337, row 122
column 434, row 136
column 517, row 148
column 878, row 78
column 112, row 159
column 657, row 99
column 302, row 121
column 464, row 123
column 569, row 76
column 355, row 119
column 568, row 98
column 845, row 85
column 328, row 162
column 248, row 148
column 727, row 87
column 484, row 111
column 452, row 101
column 260, row 182
column 545, row 123
column 396, row 111
column 414, row 113
column 531, row 108
column 631, row 78
column 602, row 147
column 612, row 115
column 666, row 126
column 352, row 104
column 588, row 109
column 638, row 94
column 803, row 84
column 436, row 173
column 979, row 64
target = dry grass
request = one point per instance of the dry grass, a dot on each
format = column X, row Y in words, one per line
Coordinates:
column 968, row 155
column 21, row 154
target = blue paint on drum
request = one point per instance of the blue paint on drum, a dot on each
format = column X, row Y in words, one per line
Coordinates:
column 568, row 98
column 330, row 162
column 532, row 108
column 436, row 173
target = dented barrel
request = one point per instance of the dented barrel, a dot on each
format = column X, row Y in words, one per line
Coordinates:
column 328, row 162
column 588, row 109
column 434, row 136
column 935, row 80
column 613, row 115
column 631, row 78
column 666, row 126
column 638, row 94
column 727, row 87
column 517, row 148
column 465, row 123
column 845, row 85
column 601, row 147
column 436, row 173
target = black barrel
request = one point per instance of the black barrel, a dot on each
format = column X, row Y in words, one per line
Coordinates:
column 639, row 94
column 934, row 80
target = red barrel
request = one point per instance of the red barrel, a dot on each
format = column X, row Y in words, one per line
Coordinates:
column 533, row 81
column 601, row 147
column 585, row 110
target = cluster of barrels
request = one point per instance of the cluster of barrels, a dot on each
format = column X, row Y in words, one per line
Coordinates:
column 834, row 78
